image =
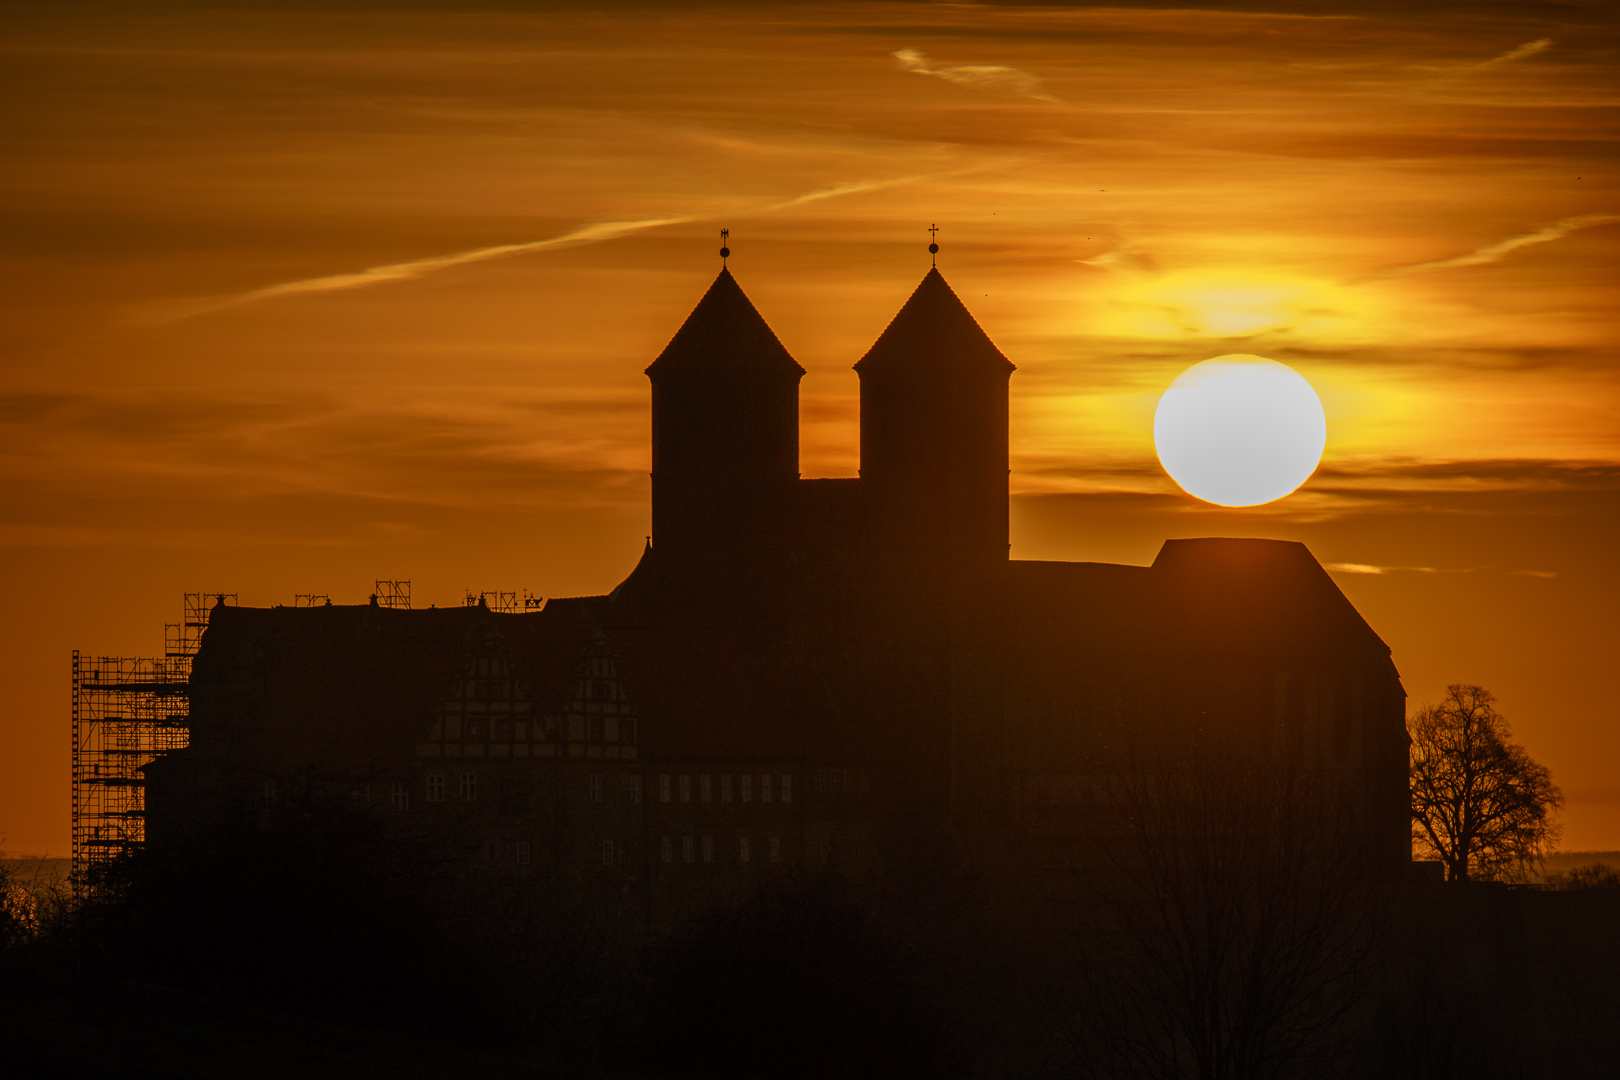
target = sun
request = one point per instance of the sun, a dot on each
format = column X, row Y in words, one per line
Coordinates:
column 1240, row 430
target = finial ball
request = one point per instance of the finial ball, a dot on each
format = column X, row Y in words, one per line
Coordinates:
column 725, row 253
column 933, row 249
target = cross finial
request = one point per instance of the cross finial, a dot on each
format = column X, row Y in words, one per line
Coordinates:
column 725, row 250
column 933, row 247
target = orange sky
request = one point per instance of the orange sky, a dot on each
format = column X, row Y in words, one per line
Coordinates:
column 205, row 388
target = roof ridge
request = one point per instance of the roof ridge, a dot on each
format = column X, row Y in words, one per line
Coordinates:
column 726, row 334
column 934, row 328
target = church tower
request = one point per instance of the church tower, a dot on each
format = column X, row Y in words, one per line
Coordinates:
column 934, row 431
column 934, row 474
column 725, row 431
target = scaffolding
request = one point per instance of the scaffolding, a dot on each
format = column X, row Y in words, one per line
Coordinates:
column 127, row 712
column 393, row 594
column 495, row 601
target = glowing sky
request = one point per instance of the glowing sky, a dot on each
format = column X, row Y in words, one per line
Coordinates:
column 298, row 299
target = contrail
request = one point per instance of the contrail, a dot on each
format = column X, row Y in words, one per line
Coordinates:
column 415, row 268
column 841, row 189
column 1529, row 48
column 404, row 271
column 1502, row 248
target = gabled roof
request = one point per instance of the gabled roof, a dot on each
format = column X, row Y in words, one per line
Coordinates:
column 724, row 335
column 1228, row 592
column 934, row 332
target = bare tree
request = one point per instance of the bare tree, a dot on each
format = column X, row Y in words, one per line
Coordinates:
column 1239, row 915
column 1480, row 804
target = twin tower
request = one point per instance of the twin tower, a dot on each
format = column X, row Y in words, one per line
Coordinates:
column 932, row 492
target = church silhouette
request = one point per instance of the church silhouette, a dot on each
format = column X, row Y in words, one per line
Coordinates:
column 848, row 674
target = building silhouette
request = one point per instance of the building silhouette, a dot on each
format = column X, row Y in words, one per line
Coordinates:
column 842, row 673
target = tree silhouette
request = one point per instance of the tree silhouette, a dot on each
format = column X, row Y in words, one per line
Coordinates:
column 1239, row 916
column 1480, row 804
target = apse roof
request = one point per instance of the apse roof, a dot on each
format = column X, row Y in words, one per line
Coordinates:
column 725, row 334
column 934, row 331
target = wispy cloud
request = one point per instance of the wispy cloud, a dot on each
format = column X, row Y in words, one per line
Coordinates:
column 1373, row 568
column 1528, row 49
column 1127, row 256
column 415, row 268
column 1502, row 248
column 838, row 190
column 974, row 75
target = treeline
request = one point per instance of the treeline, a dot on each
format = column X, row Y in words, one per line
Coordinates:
column 332, row 914
column 1230, row 923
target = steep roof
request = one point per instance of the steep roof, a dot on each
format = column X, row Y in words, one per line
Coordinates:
column 934, row 331
column 1227, row 592
column 726, row 335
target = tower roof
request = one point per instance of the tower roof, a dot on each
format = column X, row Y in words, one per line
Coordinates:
column 724, row 335
column 934, row 332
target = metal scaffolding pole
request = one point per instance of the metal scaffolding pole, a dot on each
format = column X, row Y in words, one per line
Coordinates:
column 127, row 712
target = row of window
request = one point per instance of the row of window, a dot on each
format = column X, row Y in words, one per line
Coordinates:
column 690, row 846
column 769, row 786
column 497, row 850
column 436, row 787
column 706, row 786
column 840, row 781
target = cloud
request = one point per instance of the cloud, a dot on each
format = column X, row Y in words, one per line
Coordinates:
column 841, row 189
column 1477, row 475
column 415, row 268
column 1502, row 248
column 1528, row 49
column 405, row 271
column 1127, row 256
column 1371, row 568
column 972, row 75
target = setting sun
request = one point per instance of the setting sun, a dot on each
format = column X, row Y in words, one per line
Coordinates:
column 1240, row 430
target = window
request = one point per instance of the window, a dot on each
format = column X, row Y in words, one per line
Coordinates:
column 742, row 849
column 596, row 787
column 523, row 852
column 686, row 788
column 667, row 849
column 399, row 795
column 607, row 853
column 635, row 788
column 764, row 787
column 469, row 786
column 705, row 789
column 435, row 787
column 776, row 849
column 747, row 787
column 787, row 787
column 725, row 788
column 610, row 729
column 686, row 849
column 663, row 787
column 708, row 849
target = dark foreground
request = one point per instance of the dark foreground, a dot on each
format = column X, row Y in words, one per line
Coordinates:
column 281, row 957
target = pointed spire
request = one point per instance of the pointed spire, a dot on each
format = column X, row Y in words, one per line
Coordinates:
column 934, row 332
column 724, row 334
